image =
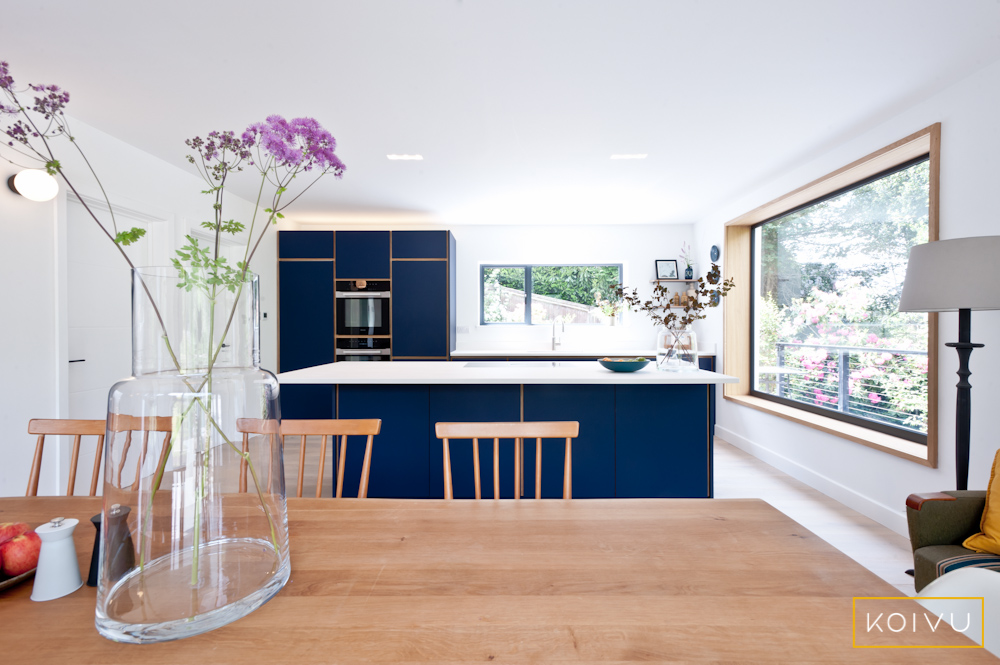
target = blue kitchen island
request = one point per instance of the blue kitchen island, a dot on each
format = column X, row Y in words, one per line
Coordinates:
column 642, row 434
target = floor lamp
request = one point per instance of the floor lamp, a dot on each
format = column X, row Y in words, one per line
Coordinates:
column 976, row 265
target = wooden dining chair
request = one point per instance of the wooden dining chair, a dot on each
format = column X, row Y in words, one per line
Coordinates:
column 155, row 425
column 77, row 429
column 324, row 429
column 519, row 432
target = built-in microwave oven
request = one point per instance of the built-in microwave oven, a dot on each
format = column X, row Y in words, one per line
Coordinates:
column 362, row 307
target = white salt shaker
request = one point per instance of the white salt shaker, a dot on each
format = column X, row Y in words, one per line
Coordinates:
column 58, row 571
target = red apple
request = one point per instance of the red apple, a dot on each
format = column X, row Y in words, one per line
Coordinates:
column 10, row 530
column 20, row 554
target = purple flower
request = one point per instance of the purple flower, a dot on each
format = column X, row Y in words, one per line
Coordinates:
column 52, row 102
column 6, row 80
column 300, row 143
column 220, row 147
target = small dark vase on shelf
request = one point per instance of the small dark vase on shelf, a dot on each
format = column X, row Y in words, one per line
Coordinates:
column 689, row 273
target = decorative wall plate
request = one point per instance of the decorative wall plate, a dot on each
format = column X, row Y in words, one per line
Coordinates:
column 714, row 253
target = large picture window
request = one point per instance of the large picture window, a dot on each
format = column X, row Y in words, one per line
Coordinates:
column 812, row 330
column 542, row 294
column 826, row 284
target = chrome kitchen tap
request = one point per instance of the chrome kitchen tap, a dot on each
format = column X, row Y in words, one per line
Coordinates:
column 558, row 330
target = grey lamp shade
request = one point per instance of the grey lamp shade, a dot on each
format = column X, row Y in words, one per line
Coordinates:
column 949, row 275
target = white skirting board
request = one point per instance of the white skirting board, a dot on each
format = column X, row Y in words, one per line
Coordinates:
column 894, row 519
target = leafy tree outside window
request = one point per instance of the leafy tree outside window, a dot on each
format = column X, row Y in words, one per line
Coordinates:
column 541, row 294
column 827, row 280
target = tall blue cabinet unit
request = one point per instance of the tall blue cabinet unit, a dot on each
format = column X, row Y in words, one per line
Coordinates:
column 305, row 318
column 305, row 299
column 423, row 295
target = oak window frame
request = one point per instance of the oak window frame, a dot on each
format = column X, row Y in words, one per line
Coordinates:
column 738, row 264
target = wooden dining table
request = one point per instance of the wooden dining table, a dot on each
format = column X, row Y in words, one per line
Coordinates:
column 431, row 581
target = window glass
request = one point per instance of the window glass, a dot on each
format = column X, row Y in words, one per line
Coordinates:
column 827, row 280
column 542, row 294
column 504, row 298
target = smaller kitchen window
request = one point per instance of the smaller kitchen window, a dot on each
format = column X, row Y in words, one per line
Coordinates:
column 543, row 294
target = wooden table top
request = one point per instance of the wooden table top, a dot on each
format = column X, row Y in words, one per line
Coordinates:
column 425, row 581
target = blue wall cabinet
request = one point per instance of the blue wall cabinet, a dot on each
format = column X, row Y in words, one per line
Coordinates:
column 420, row 244
column 305, row 314
column 305, row 245
column 363, row 254
column 420, row 309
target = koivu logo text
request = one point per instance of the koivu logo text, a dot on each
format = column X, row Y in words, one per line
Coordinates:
column 952, row 623
column 897, row 622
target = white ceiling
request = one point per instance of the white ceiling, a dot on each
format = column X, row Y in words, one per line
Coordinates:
column 515, row 105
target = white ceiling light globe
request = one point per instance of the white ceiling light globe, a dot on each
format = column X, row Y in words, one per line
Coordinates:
column 36, row 185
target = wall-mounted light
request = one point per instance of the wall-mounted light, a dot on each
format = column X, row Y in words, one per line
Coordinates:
column 34, row 184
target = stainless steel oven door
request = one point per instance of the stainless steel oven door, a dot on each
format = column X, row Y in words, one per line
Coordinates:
column 362, row 355
column 362, row 312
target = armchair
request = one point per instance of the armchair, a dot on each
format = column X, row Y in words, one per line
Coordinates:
column 939, row 522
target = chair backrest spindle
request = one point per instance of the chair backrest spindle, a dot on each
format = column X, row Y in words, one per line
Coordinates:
column 518, row 431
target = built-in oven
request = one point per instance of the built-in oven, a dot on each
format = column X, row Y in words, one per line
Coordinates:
column 362, row 307
column 360, row 349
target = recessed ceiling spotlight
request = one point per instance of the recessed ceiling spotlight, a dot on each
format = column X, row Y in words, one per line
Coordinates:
column 642, row 156
column 406, row 157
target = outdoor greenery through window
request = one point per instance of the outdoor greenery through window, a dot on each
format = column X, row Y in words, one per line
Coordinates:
column 549, row 294
column 827, row 279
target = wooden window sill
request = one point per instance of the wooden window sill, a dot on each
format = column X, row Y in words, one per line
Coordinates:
column 909, row 450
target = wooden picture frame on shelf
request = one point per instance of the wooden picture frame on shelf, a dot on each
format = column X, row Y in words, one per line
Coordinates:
column 667, row 269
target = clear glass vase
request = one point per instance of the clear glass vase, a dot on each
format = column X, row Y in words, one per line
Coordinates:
column 676, row 350
column 194, row 532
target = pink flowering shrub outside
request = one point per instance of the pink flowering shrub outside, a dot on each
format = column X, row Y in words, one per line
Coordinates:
column 884, row 386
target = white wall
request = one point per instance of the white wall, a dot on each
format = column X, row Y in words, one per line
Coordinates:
column 32, row 265
column 873, row 482
column 635, row 246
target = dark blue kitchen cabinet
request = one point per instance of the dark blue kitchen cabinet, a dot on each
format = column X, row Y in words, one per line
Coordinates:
column 363, row 254
column 305, row 302
column 472, row 403
column 659, row 456
column 420, row 309
column 420, row 244
column 308, row 401
column 305, row 245
column 399, row 467
column 593, row 406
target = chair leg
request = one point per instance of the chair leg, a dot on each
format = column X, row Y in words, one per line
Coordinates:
column 70, row 486
column 475, row 467
column 448, row 491
column 496, row 469
column 36, row 467
column 568, row 471
column 538, row 468
column 98, row 458
column 365, row 468
column 342, row 455
column 517, row 468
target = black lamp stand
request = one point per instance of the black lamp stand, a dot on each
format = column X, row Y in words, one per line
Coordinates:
column 963, row 405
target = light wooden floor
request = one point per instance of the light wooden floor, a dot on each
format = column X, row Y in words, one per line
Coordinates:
column 737, row 475
column 877, row 548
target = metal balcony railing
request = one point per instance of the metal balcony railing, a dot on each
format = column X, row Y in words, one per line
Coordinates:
column 872, row 383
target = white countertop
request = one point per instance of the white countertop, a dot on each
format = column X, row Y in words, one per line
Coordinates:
column 491, row 372
column 561, row 353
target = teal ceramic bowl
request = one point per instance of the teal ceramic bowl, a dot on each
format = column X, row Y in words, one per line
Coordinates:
column 624, row 364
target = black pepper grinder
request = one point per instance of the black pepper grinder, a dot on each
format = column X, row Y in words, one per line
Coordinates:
column 121, row 553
